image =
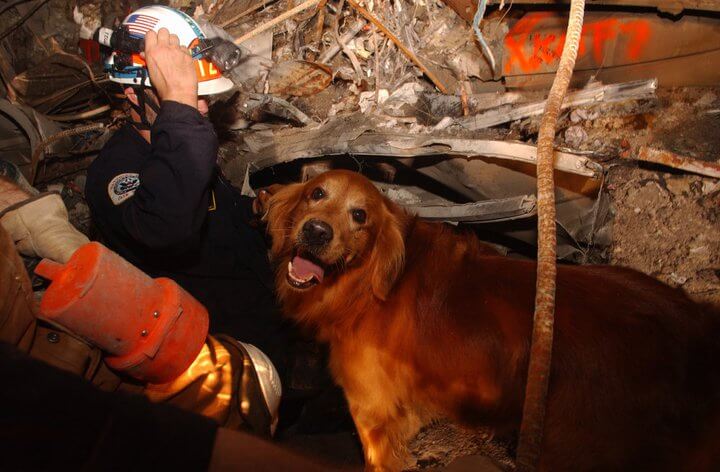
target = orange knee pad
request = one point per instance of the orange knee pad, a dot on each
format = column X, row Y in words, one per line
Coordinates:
column 151, row 329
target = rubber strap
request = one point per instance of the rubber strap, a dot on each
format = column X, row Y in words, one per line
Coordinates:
column 143, row 99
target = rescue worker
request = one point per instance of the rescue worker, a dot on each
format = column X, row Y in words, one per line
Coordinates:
column 50, row 418
column 230, row 382
column 158, row 197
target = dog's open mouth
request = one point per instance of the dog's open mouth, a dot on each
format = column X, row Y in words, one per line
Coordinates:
column 304, row 271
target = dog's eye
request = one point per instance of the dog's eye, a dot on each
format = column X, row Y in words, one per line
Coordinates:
column 317, row 194
column 359, row 215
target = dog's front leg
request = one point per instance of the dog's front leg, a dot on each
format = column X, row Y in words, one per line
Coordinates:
column 384, row 432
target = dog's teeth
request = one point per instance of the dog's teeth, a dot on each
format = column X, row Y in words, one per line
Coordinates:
column 295, row 278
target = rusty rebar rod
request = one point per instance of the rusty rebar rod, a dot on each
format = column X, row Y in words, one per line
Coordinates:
column 40, row 149
column 533, row 421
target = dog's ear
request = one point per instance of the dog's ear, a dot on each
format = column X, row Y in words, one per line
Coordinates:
column 388, row 256
column 261, row 204
column 279, row 204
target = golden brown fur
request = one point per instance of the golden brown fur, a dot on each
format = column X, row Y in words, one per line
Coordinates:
column 425, row 322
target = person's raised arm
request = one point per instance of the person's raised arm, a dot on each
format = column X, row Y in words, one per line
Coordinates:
column 170, row 205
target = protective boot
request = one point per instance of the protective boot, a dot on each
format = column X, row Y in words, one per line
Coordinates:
column 232, row 382
column 150, row 329
column 206, row 387
column 257, row 388
column 40, row 227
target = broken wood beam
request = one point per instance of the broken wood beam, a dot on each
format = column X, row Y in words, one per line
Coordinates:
column 245, row 12
column 275, row 21
column 676, row 161
column 635, row 90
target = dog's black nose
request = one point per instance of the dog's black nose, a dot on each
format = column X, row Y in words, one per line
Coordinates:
column 317, row 232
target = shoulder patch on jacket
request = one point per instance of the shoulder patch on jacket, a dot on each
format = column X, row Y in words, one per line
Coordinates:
column 122, row 187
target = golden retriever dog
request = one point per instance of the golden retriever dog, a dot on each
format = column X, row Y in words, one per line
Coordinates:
column 425, row 322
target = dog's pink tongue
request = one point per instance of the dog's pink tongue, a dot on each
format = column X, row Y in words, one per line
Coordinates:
column 304, row 268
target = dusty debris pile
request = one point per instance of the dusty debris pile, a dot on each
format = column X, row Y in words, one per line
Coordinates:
column 405, row 91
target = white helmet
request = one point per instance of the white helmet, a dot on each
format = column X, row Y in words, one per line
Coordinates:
column 130, row 68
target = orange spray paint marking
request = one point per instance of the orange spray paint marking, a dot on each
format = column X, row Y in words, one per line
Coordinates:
column 601, row 32
column 639, row 32
column 530, row 50
column 516, row 39
column 542, row 48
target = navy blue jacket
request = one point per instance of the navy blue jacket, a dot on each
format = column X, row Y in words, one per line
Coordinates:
column 166, row 209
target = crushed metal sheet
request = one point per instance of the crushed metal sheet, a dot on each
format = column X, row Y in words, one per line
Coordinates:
column 487, row 211
column 275, row 106
column 593, row 93
column 515, row 151
column 355, row 135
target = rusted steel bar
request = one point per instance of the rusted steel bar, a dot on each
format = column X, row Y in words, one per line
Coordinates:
column 533, row 421
column 676, row 161
column 40, row 149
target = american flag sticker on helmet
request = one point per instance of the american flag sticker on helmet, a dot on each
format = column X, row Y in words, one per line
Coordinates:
column 139, row 24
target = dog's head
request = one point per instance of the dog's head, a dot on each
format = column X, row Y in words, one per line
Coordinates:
column 333, row 225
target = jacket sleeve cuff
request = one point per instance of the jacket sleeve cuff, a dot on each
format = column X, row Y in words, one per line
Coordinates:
column 176, row 111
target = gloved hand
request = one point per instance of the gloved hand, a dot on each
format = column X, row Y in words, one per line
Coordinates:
column 40, row 228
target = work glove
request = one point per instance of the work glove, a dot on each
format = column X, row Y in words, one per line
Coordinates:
column 40, row 227
column 234, row 383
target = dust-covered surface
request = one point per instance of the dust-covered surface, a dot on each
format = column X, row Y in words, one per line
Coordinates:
column 439, row 444
column 668, row 226
column 661, row 222
column 689, row 123
column 665, row 223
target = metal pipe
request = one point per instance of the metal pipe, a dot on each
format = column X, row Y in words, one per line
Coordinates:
column 40, row 149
